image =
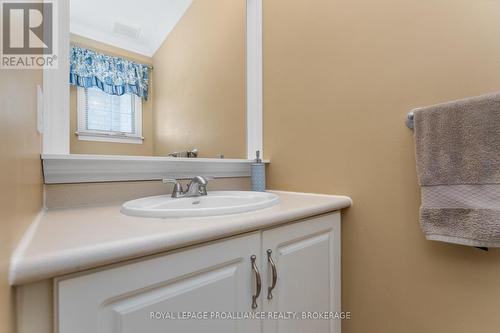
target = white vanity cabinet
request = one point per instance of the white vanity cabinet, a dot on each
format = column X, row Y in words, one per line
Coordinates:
column 149, row 295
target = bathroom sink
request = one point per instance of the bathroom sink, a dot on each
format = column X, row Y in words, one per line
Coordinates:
column 215, row 203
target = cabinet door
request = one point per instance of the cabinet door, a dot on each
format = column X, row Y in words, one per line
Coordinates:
column 307, row 260
column 148, row 296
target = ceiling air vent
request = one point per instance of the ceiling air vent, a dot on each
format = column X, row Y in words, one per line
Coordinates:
column 127, row 30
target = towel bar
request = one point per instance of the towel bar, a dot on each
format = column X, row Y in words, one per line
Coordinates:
column 409, row 120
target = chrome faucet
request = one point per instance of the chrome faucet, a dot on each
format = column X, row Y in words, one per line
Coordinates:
column 193, row 153
column 197, row 187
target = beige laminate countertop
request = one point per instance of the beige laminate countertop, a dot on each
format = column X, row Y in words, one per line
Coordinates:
column 69, row 240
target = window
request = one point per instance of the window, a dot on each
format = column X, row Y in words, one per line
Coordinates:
column 111, row 118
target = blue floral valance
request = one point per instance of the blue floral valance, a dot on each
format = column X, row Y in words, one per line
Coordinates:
column 113, row 75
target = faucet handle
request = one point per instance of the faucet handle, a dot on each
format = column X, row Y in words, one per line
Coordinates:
column 178, row 190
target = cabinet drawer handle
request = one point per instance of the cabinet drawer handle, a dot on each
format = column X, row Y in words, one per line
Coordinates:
column 258, row 282
column 274, row 272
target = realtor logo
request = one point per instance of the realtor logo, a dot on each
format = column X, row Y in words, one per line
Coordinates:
column 28, row 35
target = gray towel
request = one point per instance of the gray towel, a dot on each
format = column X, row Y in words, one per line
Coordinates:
column 458, row 167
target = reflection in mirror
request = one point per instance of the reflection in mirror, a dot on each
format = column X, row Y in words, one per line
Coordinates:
column 158, row 77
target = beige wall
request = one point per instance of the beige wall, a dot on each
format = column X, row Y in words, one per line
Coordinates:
column 20, row 176
column 339, row 78
column 200, row 82
column 111, row 148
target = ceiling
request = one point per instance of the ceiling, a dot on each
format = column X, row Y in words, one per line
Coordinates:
column 137, row 26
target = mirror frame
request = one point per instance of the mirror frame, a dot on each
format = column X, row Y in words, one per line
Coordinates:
column 56, row 115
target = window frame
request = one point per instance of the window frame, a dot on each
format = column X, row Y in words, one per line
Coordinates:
column 103, row 136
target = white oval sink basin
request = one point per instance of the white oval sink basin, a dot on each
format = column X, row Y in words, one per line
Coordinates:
column 215, row 203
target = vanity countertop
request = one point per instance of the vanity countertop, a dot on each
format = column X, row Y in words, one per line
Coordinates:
column 69, row 240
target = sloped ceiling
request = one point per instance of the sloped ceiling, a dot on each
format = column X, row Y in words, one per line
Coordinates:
column 137, row 26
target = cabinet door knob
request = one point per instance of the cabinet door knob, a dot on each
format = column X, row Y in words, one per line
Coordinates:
column 257, row 281
column 274, row 273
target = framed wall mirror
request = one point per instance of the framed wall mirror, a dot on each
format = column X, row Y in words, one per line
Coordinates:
column 156, row 79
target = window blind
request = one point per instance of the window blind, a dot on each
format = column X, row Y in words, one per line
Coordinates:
column 109, row 113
